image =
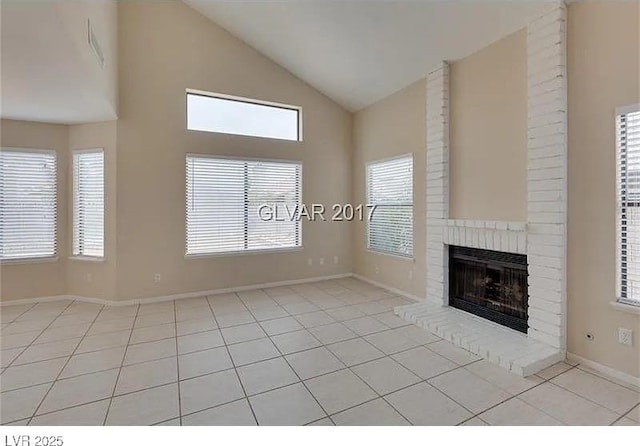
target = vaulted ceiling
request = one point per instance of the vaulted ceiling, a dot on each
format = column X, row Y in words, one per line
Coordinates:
column 356, row 51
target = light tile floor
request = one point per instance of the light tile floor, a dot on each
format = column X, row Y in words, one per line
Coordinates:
column 324, row 353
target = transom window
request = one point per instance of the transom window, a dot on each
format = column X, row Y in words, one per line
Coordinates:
column 225, row 201
column 628, row 230
column 390, row 200
column 27, row 204
column 211, row 112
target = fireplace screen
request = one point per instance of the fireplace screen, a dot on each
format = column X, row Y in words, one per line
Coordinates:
column 489, row 284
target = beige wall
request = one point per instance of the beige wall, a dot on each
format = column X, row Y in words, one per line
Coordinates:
column 47, row 278
column 172, row 47
column 392, row 127
column 85, row 277
column 488, row 131
column 603, row 59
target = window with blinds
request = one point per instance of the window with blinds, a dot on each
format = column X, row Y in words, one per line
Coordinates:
column 27, row 204
column 628, row 149
column 88, row 203
column 234, row 115
column 226, row 199
column 390, row 201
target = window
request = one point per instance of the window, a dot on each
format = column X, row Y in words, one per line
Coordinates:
column 628, row 231
column 225, row 200
column 241, row 116
column 88, row 203
column 27, row 204
column 390, row 198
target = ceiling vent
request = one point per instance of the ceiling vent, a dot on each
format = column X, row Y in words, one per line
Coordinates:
column 95, row 44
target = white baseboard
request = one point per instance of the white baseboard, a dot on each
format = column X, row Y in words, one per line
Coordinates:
column 606, row 371
column 157, row 299
column 387, row 287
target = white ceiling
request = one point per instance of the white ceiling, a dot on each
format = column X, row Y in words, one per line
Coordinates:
column 358, row 52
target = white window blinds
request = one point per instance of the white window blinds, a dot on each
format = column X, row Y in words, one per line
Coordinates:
column 88, row 203
column 27, row 204
column 628, row 142
column 224, row 198
column 390, row 201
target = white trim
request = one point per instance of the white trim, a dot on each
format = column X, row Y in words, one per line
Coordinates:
column 21, row 261
column 149, row 300
column 29, row 150
column 605, row 370
column 625, row 307
column 242, row 99
column 82, row 258
column 215, row 255
column 387, row 287
column 390, row 254
column 245, row 100
column 242, row 158
column 623, row 110
column 389, row 158
column 88, row 150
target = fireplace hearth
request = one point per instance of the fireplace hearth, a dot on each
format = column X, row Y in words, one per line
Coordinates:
column 489, row 284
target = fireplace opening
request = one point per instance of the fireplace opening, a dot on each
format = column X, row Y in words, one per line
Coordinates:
column 489, row 284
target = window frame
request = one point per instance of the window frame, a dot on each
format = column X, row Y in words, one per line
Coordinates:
column 243, row 252
column 79, row 256
column 47, row 258
column 621, row 207
column 371, row 210
column 244, row 100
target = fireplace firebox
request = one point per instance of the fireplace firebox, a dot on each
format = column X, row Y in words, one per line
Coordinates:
column 489, row 284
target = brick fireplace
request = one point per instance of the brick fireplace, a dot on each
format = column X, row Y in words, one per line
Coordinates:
column 542, row 238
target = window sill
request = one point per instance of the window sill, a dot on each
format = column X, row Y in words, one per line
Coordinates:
column 625, row 307
column 243, row 253
column 88, row 259
column 395, row 256
column 29, row 260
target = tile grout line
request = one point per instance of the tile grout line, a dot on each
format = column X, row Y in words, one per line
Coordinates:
column 630, row 387
column 36, row 338
column 198, row 351
column 175, row 322
column 255, row 362
column 15, row 319
column 115, row 385
column 544, row 381
column 88, row 329
column 286, row 385
column 235, row 369
column 297, row 376
column 322, row 345
column 358, row 336
column 585, row 397
column 625, row 415
column 53, row 383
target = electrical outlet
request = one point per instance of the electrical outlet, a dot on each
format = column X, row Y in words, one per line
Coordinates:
column 377, row 270
column 335, row 260
column 321, row 260
column 309, row 261
column 89, row 277
column 157, row 277
column 625, row 336
column 410, row 275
